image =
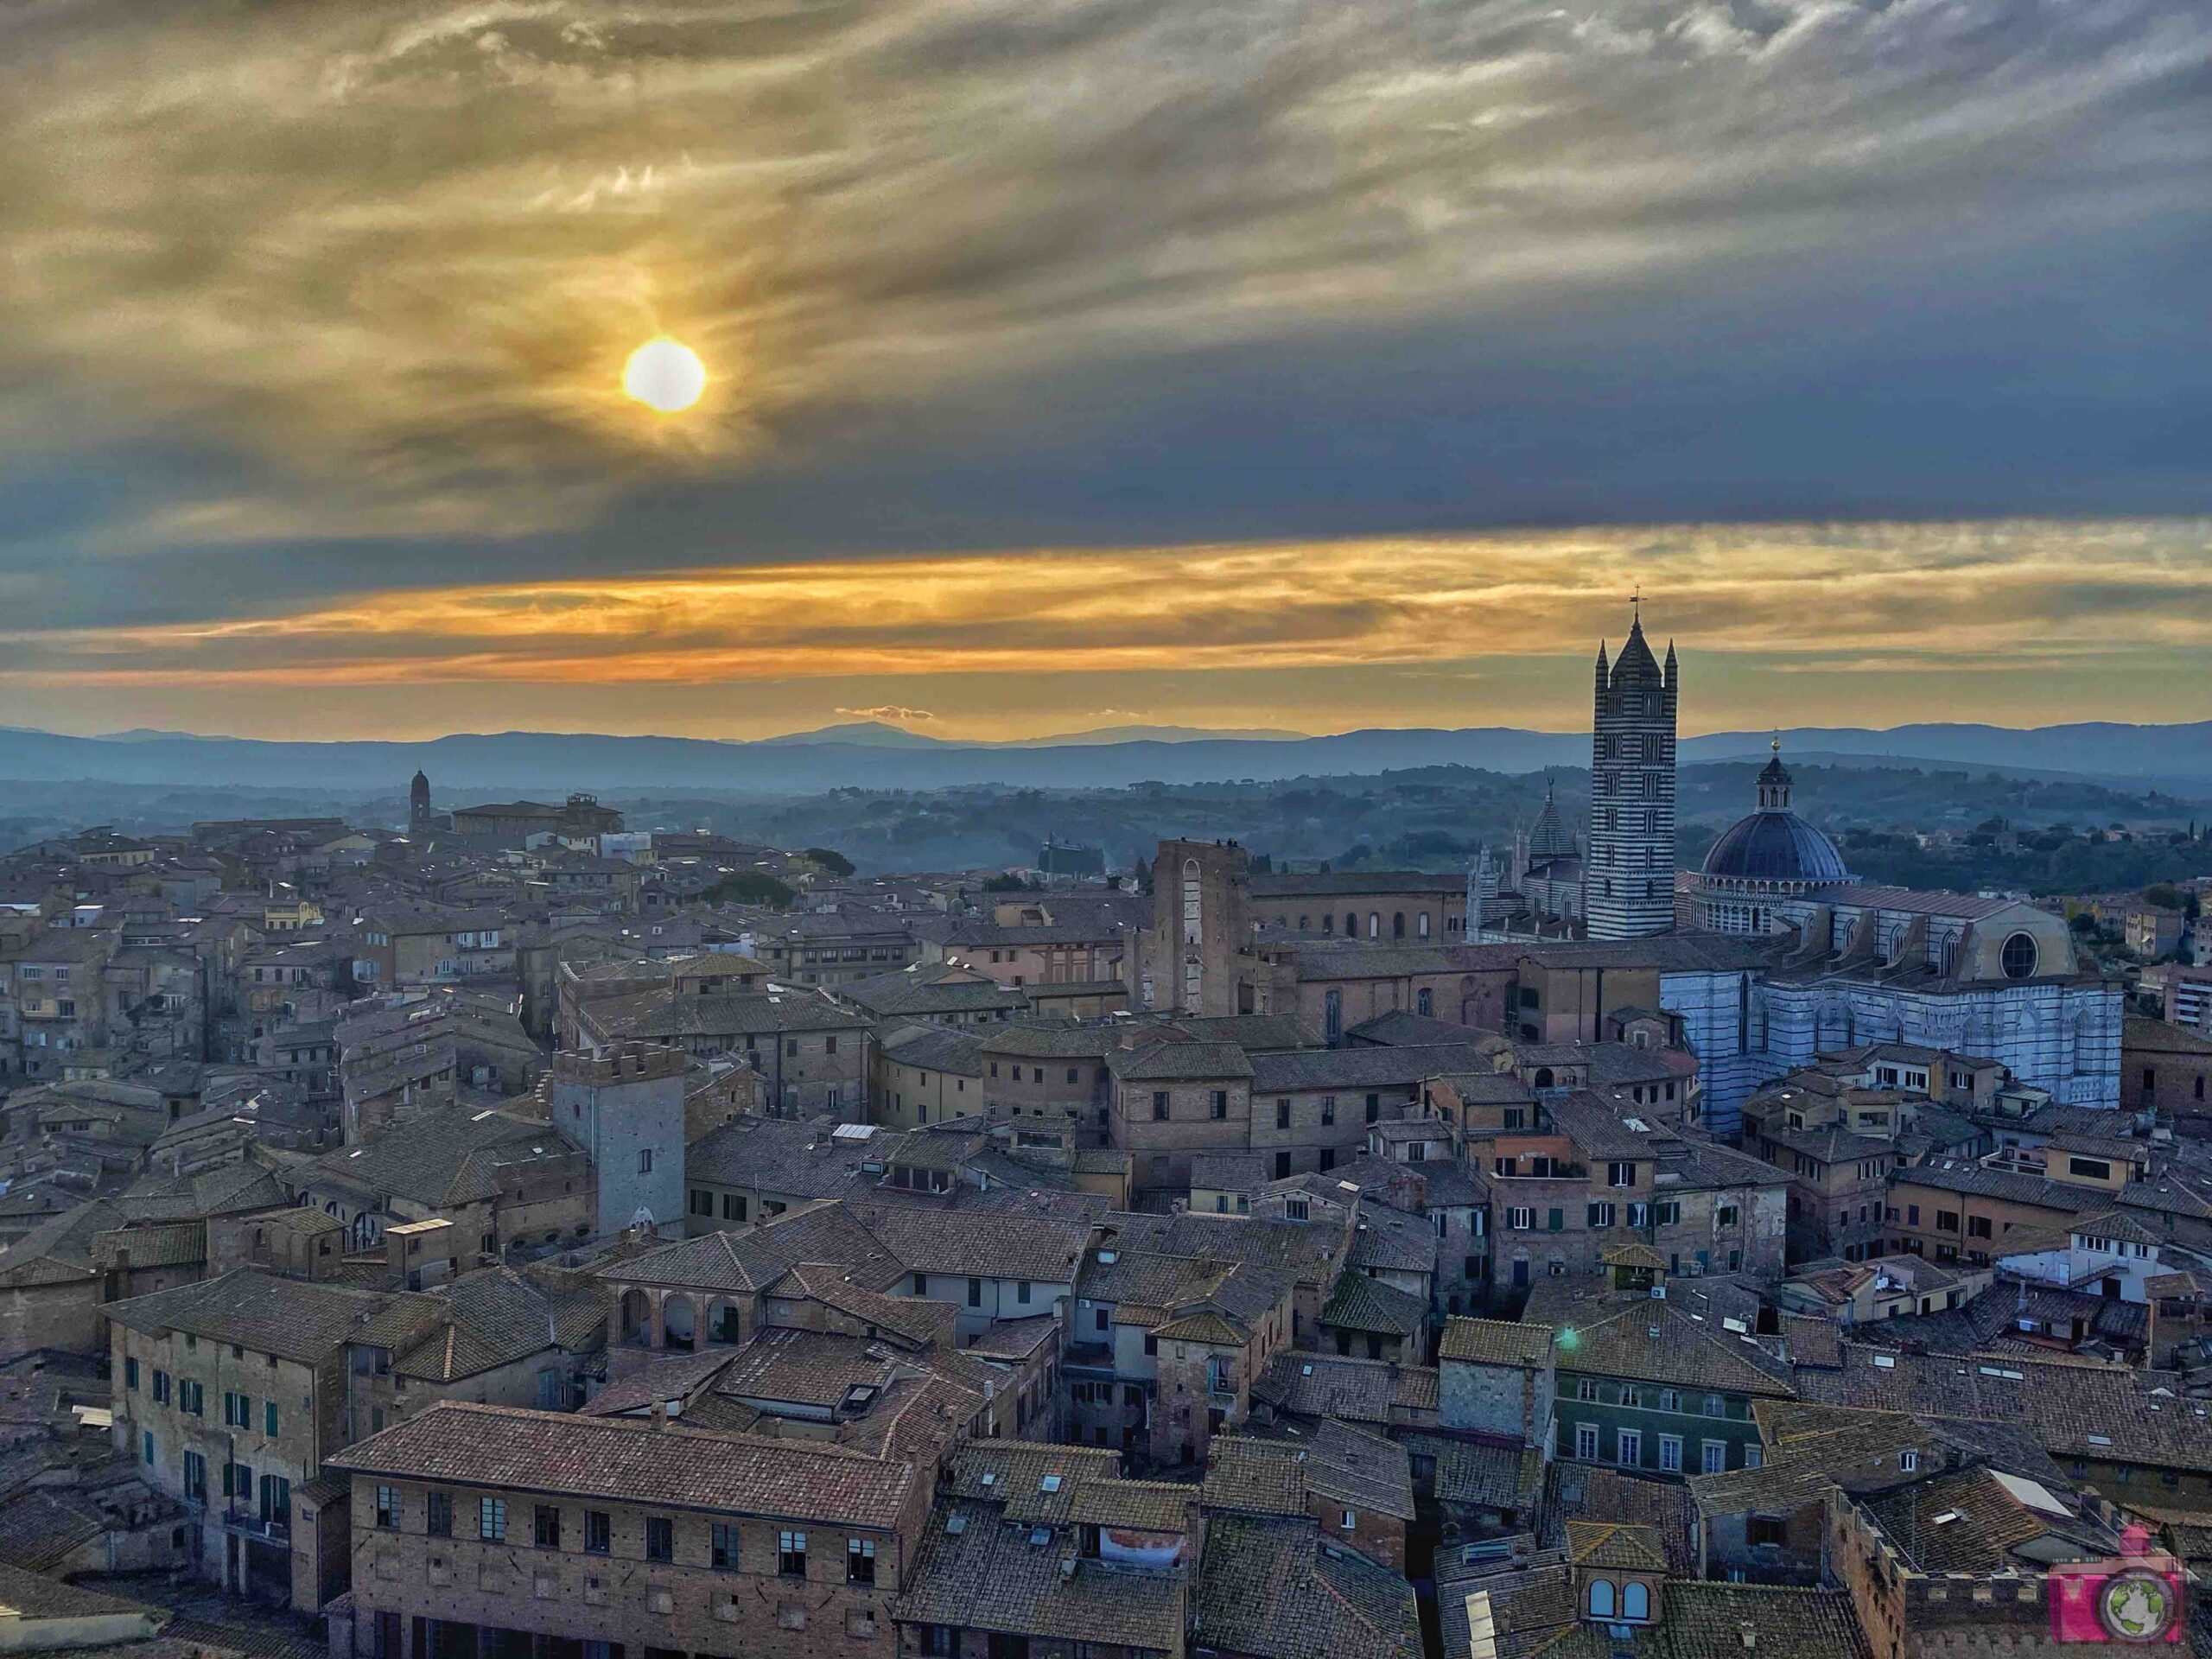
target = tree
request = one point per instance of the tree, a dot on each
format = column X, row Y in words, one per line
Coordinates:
column 830, row 859
column 749, row 887
column 2163, row 894
column 1011, row 884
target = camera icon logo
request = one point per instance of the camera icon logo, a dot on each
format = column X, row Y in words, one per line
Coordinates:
column 2137, row 1598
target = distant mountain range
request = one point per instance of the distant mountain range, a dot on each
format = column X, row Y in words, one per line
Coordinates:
column 882, row 734
column 2176, row 758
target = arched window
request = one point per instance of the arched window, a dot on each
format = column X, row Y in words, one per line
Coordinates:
column 1398, row 924
column 1543, row 1079
column 1333, row 1015
column 1425, row 1003
column 1601, row 1598
column 1420, row 925
column 1636, row 1599
column 1351, row 925
column 1301, row 923
column 1192, row 929
column 1374, row 924
column 1328, row 924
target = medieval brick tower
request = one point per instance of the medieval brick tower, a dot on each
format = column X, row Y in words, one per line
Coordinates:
column 1630, row 879
column 419, row 806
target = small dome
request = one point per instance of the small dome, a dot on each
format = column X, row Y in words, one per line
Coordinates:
column 1775, row 846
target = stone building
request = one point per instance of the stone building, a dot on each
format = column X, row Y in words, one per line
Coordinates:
column 478, row 1529
column 623, row 1106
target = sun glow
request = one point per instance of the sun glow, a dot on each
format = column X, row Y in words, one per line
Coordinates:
column 665, row 374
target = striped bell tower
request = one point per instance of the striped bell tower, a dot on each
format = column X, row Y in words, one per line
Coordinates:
column 1629, row 878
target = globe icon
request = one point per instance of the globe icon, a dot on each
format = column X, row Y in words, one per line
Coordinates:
column 2135, row 1606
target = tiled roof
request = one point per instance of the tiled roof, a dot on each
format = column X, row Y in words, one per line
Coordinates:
column 444, row 1158
column 1274, row 1589
column 1651, row 1341
column 1496, row 1342
column 498, row 1446
column 976, row 1569
column 1615, row 1544
column 2077, row 1409
column 1370, row 1067
column 1174, row 1062
column 1251, row 1477
column 1141, row 1505
column 290, row 1318
column 1485, row 1476
column 756, row 1258
column 1348, row 1466
column 962, row 1244
column 1037, row 1482
column 1359, row 1303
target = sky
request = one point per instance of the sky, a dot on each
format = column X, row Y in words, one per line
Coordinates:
column 1287, row 364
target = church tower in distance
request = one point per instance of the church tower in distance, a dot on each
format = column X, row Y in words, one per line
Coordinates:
column 1629, row 890
column 419, row 806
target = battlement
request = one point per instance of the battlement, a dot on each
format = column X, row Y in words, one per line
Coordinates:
column 620, row 1063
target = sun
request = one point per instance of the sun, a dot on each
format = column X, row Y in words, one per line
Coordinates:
column 665, row 374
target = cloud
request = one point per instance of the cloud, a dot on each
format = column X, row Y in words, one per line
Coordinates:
column 1157, row 337
column 1881, row 593
column 387, row 259
column 896, row 712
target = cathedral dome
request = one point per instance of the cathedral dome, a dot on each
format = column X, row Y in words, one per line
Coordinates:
column 1774, row 845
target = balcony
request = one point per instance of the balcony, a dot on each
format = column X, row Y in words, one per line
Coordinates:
column 246, row 1523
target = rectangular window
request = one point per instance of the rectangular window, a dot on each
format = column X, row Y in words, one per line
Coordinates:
column 1620, row 1174
column 1217, row 1103
column 1715, row 1457
column 1520, row 1219
column 1977, row 1226
column 599, row 1532
column 1585, row 1388
column 1601, row 1215
column 860, row 1560
column 660, row 1538
column 146, row 1447
column 492, row 1520
column 733, row 1207
column 1375, row 1108
column 1670, row 1453
column 1328, row 1110
column 1160, row 1105
column 129, row 1373
column 547, row 1530
column 195, row 1477
column 1716, row 1406
column 1628, row 1448
column 388, row 1508
column 191, row 1397
column 726, row 1547
column 791, row 1555
column 1585, row 1442
column 1282, row 1114
column 437, row 1514
column 646, row 1161
column 268, row 1418
column 974, row 1293
column 1555, row 1221
column 1947, row 1221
